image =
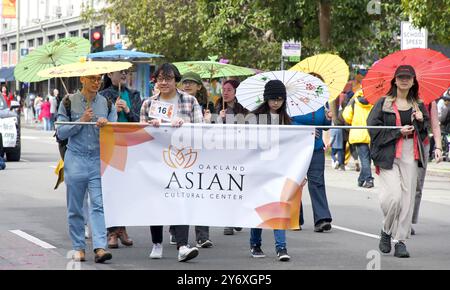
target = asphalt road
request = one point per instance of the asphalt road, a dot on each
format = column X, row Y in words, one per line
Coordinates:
column 29, row 204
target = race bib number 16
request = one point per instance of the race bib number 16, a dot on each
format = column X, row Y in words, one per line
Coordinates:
column 161, row 110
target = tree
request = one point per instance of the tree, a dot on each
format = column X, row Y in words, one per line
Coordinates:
column 167, row 27
column 431, row 14
column 250, row 32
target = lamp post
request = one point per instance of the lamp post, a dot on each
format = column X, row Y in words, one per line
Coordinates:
column 18, row 38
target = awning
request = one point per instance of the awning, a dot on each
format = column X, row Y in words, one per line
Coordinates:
column 7, row 74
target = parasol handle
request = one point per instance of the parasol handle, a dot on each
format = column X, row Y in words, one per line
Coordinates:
column 64, row 85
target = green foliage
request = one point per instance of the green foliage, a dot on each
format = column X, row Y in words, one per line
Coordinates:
column 168, row 27
column 250, row 32
column 431, row 14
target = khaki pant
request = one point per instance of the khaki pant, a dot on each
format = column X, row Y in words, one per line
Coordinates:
column 398, row 193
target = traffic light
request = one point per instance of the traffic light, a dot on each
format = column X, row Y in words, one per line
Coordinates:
column 96, row 40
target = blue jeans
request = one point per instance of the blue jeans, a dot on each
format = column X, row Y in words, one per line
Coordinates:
column 82, row 174
column 46, row 124
column 364, row 157
column 340, row 155
column 316, row 187
column 280, row 238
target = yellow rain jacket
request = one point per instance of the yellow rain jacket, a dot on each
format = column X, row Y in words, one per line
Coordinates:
column 356, row 114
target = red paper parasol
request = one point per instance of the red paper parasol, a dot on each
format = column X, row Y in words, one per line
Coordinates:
column 432, row 71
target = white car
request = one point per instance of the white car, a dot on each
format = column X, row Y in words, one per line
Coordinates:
column 10, row 129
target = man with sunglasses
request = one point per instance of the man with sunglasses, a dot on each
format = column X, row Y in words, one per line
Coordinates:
column 82, row 164
column 128, row 105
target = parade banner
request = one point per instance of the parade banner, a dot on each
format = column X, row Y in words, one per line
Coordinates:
column 9, row 8
column 8, row 131
column 211, row 175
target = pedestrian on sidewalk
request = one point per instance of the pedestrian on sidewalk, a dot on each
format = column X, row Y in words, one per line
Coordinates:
column 128, row 105
column 185, row 109
column 271, row 112
column 53, row 108
column 398, row 154
column 355, row 114
column 82, row 164
column 45, row 115
column 337, row 148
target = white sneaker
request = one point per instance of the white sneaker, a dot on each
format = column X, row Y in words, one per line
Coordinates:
column 157, row 251
column 86, row 232
column 336, row 165
column 185, row 253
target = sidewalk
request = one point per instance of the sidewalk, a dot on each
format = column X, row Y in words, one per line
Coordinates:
column 441, row 170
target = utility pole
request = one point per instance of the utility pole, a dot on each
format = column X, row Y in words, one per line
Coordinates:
column 91, row 6
column 18, row 38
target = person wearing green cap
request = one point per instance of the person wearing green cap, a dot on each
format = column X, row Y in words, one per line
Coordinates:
column 192, row 84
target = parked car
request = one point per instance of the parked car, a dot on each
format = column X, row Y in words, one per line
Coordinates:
column 13, row 113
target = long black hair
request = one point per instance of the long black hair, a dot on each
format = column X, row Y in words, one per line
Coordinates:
column 413, row 94
column 264, row 109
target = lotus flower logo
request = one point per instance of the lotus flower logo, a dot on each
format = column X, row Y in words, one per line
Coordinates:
column 180, row 158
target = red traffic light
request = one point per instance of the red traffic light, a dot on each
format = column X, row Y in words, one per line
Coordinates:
column 96, row 35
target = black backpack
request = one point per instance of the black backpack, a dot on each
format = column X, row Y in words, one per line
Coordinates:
column 62, row 144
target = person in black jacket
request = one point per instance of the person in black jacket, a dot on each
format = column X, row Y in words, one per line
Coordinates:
column 397, row 154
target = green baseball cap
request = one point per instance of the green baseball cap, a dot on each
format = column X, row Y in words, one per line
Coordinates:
column 192, row 76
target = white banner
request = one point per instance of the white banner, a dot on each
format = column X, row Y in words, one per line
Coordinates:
column 8, row 131
column 212, row 175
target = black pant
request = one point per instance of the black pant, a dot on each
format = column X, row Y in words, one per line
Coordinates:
column 157, row 234
column 181, row 235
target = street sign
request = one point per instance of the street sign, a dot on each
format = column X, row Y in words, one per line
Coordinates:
column 24, row 51
column 294, row 59
column 412, row 37
column 291, row 48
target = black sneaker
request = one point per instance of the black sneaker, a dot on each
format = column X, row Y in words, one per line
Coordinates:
column 400, row 250
column 385, row 243
column 413, row 232
column 322, row 226
column 228, row 231
column 283, row 255
column 257, row 252
column 204, row 244
column 368, row 184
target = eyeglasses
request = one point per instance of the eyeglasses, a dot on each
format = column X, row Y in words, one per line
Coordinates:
column 166, row 78
column 95, row 79
column 124, row 71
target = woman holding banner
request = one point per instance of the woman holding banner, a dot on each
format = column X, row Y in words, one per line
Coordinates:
column 272, row 111
column 398, row 154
